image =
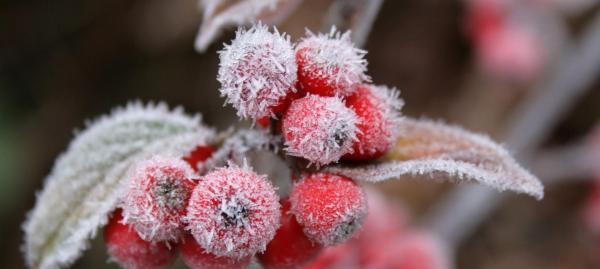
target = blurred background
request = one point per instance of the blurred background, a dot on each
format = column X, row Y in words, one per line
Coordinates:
column 524, row 71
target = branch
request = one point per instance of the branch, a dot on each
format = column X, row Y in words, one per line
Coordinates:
column 355, row 15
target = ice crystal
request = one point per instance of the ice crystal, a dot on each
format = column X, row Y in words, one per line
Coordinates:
column 378, row 108
column 439, row 151
column 330, row 208
column 233, row 212
column 319, row 129
column 257, row 70
column 333, row 59
column 156, row 197
column 88, row 179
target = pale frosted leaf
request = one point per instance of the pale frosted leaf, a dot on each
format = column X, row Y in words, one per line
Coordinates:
column 442, row 152
column 219, row 14
column 86, row 180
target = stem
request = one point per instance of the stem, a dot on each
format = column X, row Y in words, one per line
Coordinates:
column 461, row 211
column 355, row 15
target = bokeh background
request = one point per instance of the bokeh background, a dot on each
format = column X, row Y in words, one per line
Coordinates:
column 63, row 62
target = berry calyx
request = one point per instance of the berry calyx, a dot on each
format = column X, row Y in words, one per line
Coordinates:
column 130, row 251
column 319, row 129
column 195, row 257
column 233, row 212
column 330, row 65
column 199, row 154
column 377, row 109
column 331, row 208
column 257, row 71
column 155, row 199
column 290, row 248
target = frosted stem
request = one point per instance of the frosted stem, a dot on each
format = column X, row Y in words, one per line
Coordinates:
column 460, row 212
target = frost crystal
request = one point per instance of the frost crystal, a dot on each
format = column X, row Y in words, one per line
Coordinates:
column 87, row 180
column 319, row 129
column 156, row 197
column 257, row 71
column 331, row 208
column 378, row 108
column 233, row 212
column 330, row 62
column 439, row 151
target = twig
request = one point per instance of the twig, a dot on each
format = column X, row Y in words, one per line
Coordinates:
column 462, row 210
column 355, row 15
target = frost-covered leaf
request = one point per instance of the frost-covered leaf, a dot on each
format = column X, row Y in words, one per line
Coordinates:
column 87, row 180
column 222, row 13
column 441, row 152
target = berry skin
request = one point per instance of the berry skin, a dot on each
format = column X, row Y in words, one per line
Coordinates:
column 195, row 257
column 156, row 197
column 130, row 251
column 233, row 212
column 331, row 208
column 319, row 129
column 200, row 154
column 330, row 65
column 377, row 109
column 290, row 248
column 257, row 71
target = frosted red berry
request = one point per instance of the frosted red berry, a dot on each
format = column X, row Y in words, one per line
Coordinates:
column 156, row 197
column 195, row 257
column 377, row 108
column 257, row 71
column 233, row 212
column 329, row 207
column 319, row 129
column 330, row 65
column 130, row 251
column 199, row 154
column 290, row 248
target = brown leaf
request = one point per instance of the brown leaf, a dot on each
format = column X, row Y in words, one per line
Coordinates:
column 438, row 151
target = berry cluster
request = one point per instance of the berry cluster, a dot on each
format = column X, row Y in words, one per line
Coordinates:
column 315, row 94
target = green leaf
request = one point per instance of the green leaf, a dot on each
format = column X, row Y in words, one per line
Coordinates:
column 87, row 180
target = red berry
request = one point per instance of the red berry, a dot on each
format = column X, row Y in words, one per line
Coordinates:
column 199, row 154
column 331, row 208
column 233, row 212
column 196, row 257
column 409, row 251
column 130, row 251
column 290, row 248
column 156, row 198
column 257, row 71
column 377, row 109
column 319, row 129
column 330, row 65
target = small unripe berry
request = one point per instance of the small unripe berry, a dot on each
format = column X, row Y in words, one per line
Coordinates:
column 199, row 154
column 330, row 65
column 156, row 197
column 331, row 208
column 290, row 248
column 257, row 71
column 130, row 251
column 233, row 212
column 377, row 109
column 195, row 257
column 319, row 129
